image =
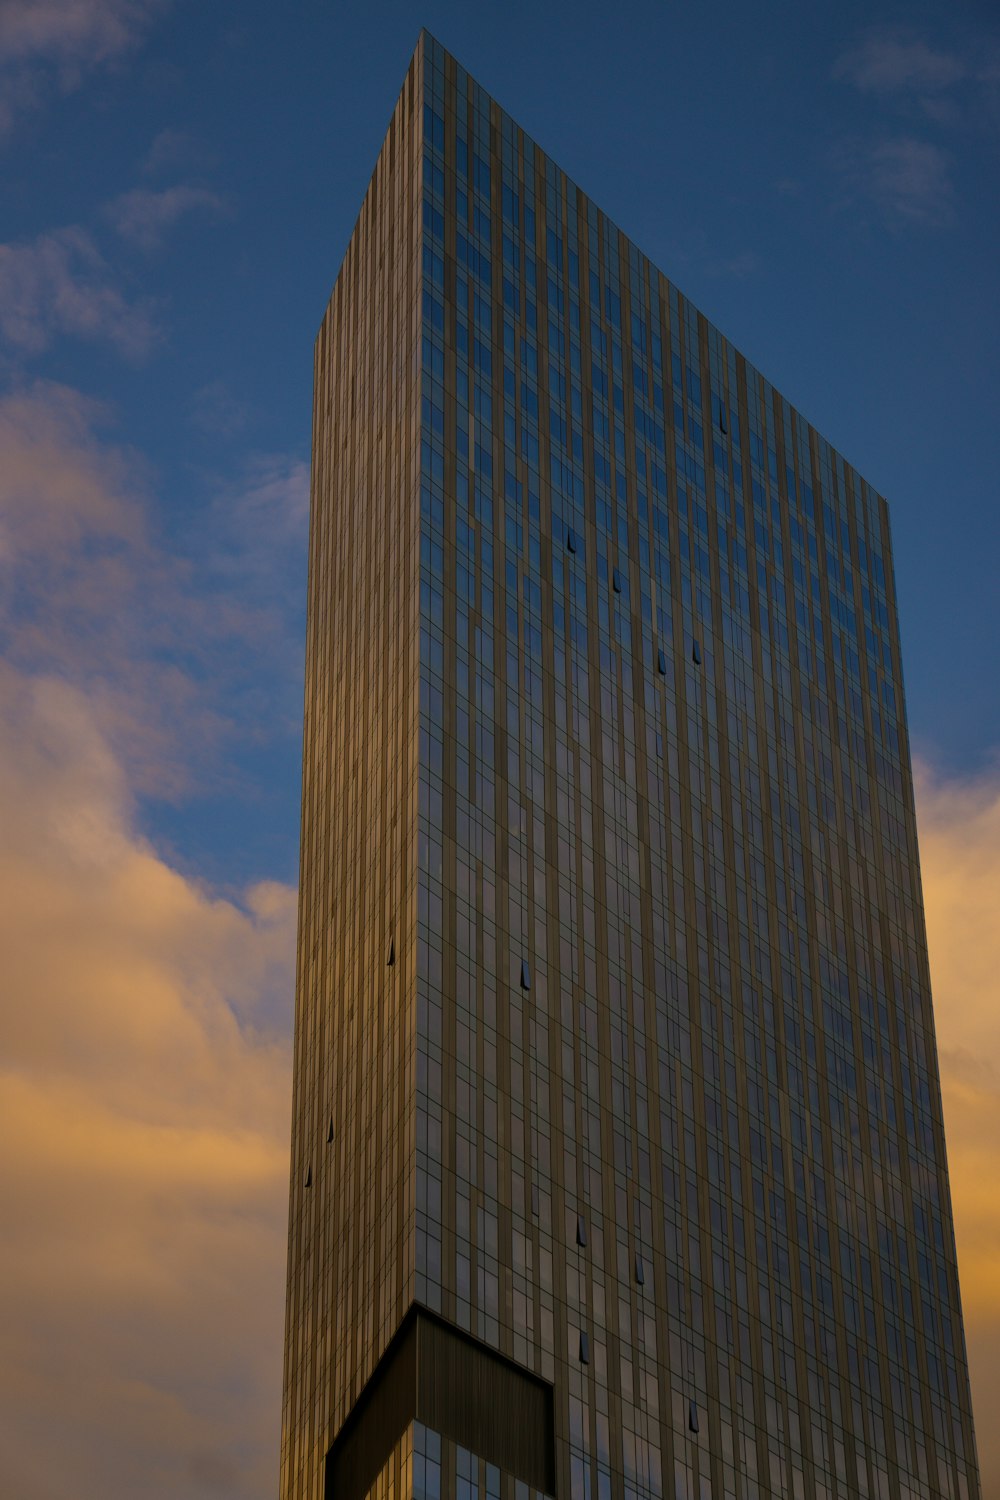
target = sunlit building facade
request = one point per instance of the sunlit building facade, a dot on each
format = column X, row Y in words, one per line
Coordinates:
column 618, row 1165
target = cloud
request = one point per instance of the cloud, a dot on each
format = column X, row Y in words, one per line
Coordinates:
column 725, row 263
column 184, row 645
column 959, row 825
column 897, row 67
column 57, row 484
column 929, row 89
column 891, row 60
column 908, row 180
column 46, row 42
column 60, row 284
column 144, row 1095
column 80, row 32
column 144, row 215
column 271, row 496
column 738, row 266
column 911, row 179
column 144, row 1036
column 216, row 411
column 86, row 591
column 175, row 150
column 254, row 533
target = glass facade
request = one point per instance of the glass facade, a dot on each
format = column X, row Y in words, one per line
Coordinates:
column 614, row 1039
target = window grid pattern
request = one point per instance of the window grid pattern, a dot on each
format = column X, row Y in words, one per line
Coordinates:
column 425, row 1465
column 649, row 1098
column 664, row 772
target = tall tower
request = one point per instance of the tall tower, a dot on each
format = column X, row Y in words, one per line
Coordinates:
column 618, row 1165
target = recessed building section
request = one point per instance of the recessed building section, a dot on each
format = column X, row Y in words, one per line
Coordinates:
column 460, row 1390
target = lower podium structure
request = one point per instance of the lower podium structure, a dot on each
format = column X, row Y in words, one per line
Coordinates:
column 618, row 1166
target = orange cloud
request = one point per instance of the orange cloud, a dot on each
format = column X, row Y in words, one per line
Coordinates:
column 144, row 1103
column 960, row 858
column 146, row 1019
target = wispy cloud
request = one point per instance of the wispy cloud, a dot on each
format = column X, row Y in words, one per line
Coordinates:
column 86, row 592
column 907, row 179
column 270, row 499
column 175, row 642
column 959, row 824
column 56, row 42
column 173, row 151
column 893, row 60
column 737, row 267
column 724, row 263
column 251, row 562
column 916, row 93
column 59, row 283
column 144, row 215
column 78, row 32
column 58, row 487
column 216, row 411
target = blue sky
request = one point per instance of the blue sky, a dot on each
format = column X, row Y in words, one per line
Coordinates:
column 815, row 179
column 179, row 183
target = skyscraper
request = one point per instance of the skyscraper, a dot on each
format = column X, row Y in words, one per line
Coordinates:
column 618, row 1164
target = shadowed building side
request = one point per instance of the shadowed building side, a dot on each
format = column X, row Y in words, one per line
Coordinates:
column 352, row 1199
